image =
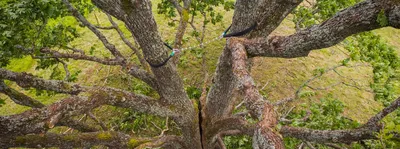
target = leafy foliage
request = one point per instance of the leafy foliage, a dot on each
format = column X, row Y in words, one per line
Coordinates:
column 327, row 115
column 324, row 115
column 313, row 13
column 2, row 102
column 366, row 47
column 193, row 92
column 371, row 48
column 382, row 19
column 27, row 25
column 238, row 142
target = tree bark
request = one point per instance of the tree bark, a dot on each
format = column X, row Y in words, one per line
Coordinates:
column 139, row 19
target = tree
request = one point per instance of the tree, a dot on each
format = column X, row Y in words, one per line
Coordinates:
column 202, row 124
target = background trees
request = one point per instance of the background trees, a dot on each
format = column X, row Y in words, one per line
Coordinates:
column 175, row 115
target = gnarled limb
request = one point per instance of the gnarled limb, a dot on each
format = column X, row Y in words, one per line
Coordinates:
column 76, row 125
column 27, row 80
column 328, row 136
column 367, row 131
column 246, row 13
column 40, row 120
column 264, row 135
column 224, row 127
column 359, row 18
column 22, row 99
column 19, row 98
column 108, row 138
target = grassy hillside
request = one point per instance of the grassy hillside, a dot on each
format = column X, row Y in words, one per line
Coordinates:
column 277, row 78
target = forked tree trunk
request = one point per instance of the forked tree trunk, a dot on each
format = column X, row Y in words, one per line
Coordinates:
column 202, row 125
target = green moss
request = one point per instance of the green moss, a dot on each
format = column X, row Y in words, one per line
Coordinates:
column 172, row 107
column 104, row 136
column 382, row 19
column 32, row 139
column 133, row 143
column 20, row 140
column 66, row 86
column 185, row 15
column 195, row 105
column 68, row 138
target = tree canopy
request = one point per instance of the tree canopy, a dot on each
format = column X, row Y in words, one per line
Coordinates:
column 156, row 107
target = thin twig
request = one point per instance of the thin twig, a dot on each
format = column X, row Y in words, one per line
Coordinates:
column 67, row 73
column 310, row 145
column 91, row 115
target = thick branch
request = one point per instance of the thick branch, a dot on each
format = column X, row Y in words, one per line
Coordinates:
column 264, row 136
column 22, row 99
column 139, row 19
column 359, row 18
column 247, row 12
column 373, row 121
column 328, row 136
column 19, row 98
column 367, row 131
column 27, row 80
column 40, row 120
column 77, row 125
column 109, row 138
column 232, row 123
column 270, row 14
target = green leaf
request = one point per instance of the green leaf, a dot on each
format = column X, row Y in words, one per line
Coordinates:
column 382, row 19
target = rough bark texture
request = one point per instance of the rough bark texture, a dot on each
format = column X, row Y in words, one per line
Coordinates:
column 27, row 80
column 19, row 98
column 264, row 136
column 112, row 139
column 139, row 19
column 359, row 18
column 325, row 136
column 232, row 81
column 365, row 132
